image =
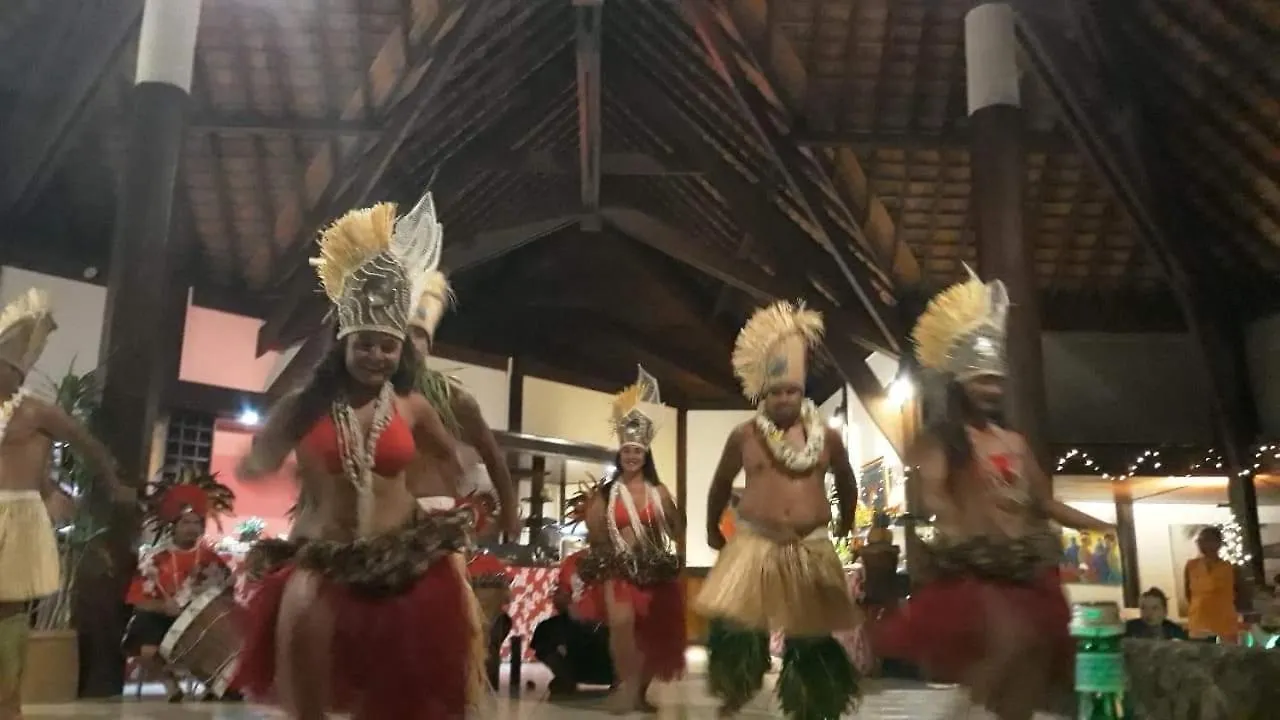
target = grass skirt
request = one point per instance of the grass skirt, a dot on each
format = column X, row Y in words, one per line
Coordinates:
column 659, row 610
column 408, row 642
column 795, row 586
column 944, row 627
column 29, row 563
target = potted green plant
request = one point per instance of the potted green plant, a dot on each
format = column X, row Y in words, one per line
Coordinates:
column 52, row 669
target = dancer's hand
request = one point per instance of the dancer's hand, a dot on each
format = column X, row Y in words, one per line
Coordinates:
column 715, row 538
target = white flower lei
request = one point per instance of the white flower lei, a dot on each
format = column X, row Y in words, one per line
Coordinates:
column 815, row 432
column 203, row 576
column 9, row 407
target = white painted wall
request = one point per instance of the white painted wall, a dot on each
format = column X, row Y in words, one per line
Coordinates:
column 488, row 386
column 706, row 432
column 77, row 306
column 568, row 412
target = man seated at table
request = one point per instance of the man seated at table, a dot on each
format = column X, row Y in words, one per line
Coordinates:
column 574, row 651
column 1154, row 623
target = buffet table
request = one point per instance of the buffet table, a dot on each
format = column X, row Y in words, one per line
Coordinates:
column 531, row 591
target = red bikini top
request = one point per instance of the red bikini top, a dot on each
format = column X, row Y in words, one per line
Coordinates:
column 396, row 448
column 647, row 515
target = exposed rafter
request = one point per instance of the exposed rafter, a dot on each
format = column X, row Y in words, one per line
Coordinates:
column 1086, row 82
column 449, row 26
column 797, row 259
column 492, row 244
column 590, row 25
column 620, row 164
column 1041, row 142
column 49, row 113
column 714, row 29
column 255, row 124
column 740, row 274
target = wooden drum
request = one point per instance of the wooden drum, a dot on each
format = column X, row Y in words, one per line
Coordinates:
column 204, row 640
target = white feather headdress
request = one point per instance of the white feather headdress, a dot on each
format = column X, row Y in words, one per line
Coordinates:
column 773, row 347
column 25, row 327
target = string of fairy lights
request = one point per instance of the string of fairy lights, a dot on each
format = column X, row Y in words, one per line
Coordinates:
column 1151, row 462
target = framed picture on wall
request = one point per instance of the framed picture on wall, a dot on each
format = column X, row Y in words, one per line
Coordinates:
column 1090, row 558
column 875, row 484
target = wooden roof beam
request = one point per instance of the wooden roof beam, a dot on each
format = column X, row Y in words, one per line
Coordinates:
column 443, row 29
column 619, row 164
column 589, row 35
column 713, row 29
column 44, row 124
column 1076, row 77
column 740, row 274
column 270, row 125
column 786, row 80
column 1036, row 141
column 798, row 260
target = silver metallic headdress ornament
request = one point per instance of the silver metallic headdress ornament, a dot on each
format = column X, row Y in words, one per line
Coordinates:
column 962, row 331
column 374, row 266
column 629, row 421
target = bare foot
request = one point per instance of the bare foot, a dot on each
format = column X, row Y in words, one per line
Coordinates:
column 623, row 701
column 647, row 707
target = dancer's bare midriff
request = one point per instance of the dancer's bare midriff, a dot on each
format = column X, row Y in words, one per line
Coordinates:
column 778, row 501
column 327, row 505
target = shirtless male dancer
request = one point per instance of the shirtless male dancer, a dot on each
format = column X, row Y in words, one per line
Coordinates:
column 461, row 415
column 780, row 572
column 29, row 561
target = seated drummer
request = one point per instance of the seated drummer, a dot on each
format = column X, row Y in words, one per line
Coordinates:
column 576, row 652
column 177, row 568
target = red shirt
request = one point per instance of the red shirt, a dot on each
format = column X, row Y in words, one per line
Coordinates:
column 163, row 573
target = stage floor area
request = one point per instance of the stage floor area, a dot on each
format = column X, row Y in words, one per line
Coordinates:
column 684, row 700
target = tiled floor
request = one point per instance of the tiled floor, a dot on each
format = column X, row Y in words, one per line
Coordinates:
column 683, row 700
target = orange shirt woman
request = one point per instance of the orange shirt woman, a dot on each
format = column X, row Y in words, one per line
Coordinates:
column 1210, row 585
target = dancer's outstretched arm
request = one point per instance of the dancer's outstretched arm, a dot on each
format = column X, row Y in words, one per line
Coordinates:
column 1053, row 508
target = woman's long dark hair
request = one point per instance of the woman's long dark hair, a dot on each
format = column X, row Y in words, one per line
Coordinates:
column 331, row 375
column 950, row 430
column 649, row 470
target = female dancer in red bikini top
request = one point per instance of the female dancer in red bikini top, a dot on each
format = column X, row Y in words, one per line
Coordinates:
column 371, row 612
column 994, row 617
column 630, row 572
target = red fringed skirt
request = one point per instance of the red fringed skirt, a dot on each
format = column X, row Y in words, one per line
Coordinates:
column 660, row 629
column 944, row 626
column 402, row 657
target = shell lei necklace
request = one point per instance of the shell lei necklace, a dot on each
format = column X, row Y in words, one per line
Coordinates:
column 9, row 407
column 801, row 460
column 359, row 449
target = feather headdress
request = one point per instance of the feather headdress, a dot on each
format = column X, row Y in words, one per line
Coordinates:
column 962, row 331
column 433, row 301
column 188, row 490
column 772, row 348
column 373, row 266
column 628, row 420
column 25, row 326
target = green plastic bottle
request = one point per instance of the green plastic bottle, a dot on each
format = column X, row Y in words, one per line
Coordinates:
column 1100, row 678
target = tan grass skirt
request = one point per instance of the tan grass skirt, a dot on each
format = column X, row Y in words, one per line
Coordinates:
column 477, row 676
column 29, row 563
column 796, row 585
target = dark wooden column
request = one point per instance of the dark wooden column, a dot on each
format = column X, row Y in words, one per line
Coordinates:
column 998, row 170
column 515, row 396
column 141, row 297
column 682, row 478
column 1127, row 538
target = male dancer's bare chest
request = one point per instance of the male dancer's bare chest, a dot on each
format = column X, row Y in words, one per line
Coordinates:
column 24, row 457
